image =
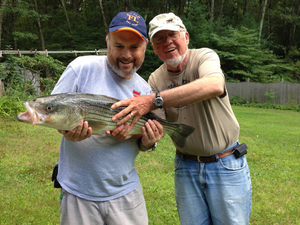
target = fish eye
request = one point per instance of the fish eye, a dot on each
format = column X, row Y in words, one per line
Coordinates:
column 49, row 107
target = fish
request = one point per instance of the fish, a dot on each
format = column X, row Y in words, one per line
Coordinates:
column 65, row 111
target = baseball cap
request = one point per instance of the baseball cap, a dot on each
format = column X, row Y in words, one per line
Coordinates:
column 130, row 21
column 165, row 21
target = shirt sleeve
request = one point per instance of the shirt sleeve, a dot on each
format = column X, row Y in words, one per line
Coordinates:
column 67, row 82
column 209, row 64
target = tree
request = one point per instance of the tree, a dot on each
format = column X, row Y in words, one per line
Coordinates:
column 262, row 19
column 39, row 25
column 243, row 58
column 103, row 16
column 66, row 14
column 1, row 18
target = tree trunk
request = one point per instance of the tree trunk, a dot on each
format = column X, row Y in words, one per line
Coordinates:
column 222, row 9
column 39, row 26
column 262, row 19
column 103, row 16
column 66, row 14
column 295, row 25
column 76, row 5
column 1, row 17
column 117, row 5
column 125, row 5
column 188, row 9
column 212, row 8
column 245, row 7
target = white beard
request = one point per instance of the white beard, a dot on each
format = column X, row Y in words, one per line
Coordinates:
column 175, row 62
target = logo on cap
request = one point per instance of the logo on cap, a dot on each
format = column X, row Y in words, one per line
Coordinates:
column 133, row 18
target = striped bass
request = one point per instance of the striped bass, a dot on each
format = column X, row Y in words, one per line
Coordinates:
column 66, row 111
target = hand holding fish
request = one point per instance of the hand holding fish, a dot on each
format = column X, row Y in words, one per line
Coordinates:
column 79, row 133
column 121, row 133
column 152, row 132
column 135, row 107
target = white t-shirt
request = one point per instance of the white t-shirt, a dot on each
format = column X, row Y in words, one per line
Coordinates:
column 98, row 168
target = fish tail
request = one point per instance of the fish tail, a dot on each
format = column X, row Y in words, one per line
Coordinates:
column 181, row 133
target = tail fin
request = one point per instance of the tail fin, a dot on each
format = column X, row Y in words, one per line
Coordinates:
column 181, row 133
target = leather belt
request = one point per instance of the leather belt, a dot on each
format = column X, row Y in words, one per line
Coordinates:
column 205, row 159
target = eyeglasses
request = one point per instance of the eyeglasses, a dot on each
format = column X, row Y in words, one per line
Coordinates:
column 158, row 39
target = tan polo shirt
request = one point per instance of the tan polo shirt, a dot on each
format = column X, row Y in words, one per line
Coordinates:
column 216, row 125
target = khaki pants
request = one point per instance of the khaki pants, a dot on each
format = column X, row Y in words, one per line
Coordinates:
column 129, row 209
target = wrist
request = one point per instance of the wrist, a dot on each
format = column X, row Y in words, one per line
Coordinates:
column 158, row 101
column 152, row 105
column 142, row 147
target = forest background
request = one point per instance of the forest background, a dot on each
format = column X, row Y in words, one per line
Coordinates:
column 257, row 40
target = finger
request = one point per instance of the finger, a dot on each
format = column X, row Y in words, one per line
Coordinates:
column 90, row 132
column 117, row 130
column 154, row 127
column 86, row 130
column 125, row 119
column 122, row 113
column 150, row 131
column 74, row 134
column 160, row 127
column 145, row 134
column 119, row 104
column 134, row 121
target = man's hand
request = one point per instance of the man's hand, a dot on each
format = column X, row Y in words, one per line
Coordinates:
column 79, row 133
column 121, row 132
column 152, row 132
column 136, row 107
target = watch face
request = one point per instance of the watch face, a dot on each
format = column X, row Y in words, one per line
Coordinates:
column 158, row 102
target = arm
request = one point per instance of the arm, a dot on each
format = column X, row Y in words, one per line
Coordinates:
column 196, row 91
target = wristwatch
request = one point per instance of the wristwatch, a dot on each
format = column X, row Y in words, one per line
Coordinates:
column 158, row 101
column 153, row 147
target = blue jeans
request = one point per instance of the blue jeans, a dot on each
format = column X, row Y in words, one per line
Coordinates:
column 213, row 193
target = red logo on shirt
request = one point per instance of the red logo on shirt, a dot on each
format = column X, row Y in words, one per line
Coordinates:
column 136, row 94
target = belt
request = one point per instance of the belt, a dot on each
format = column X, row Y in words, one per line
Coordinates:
column 206, row 159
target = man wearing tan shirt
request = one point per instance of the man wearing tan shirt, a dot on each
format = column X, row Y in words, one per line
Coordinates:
column 212, row 178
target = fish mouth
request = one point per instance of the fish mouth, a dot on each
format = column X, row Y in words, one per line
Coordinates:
column 30, row 116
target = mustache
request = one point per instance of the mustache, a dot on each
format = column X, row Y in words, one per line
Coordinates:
column 126, row 60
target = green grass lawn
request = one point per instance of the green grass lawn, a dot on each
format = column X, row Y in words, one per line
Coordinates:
column 28, row 154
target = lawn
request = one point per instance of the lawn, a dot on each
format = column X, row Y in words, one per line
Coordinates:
column 28, row 154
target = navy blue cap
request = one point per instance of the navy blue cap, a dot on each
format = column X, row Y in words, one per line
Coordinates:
column 131, row 21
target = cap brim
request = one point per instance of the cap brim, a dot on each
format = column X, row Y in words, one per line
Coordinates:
column 117, row 29
column 164, row 27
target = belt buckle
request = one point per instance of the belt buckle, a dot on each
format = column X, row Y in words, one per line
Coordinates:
column 198, row 158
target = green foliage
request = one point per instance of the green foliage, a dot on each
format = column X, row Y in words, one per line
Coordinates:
column 25, row 76
column 198, row 26
column 23, row 80
column 243, row 58
column 270, row 95
column 293, row 57
column 10, row 106
column 151, row 63
column 240, row 101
